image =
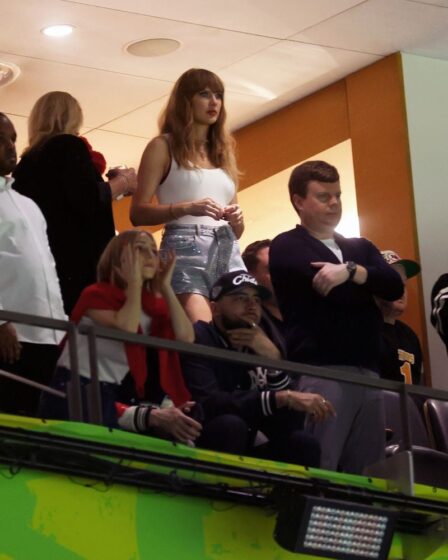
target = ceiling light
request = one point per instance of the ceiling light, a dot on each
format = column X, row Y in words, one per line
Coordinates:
column 152, row 47
column 57, row 30
column 8, row 73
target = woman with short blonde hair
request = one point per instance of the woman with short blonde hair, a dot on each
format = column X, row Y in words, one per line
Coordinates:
column 56, row 112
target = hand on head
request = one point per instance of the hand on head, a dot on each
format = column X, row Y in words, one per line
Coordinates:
column 130, row 269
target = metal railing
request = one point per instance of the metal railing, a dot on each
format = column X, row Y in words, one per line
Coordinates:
column 293, row 368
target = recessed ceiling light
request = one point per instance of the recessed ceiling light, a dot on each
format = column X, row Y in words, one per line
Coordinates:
column 152, row 47
column 57, row 30
column 8, row 73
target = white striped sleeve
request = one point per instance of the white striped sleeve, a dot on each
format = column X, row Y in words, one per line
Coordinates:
column 439, row 311
column 277, row 379
column 135, row 419
column 268, row 402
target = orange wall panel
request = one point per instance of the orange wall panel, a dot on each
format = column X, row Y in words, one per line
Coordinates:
column 292, row 134
column 378, row 129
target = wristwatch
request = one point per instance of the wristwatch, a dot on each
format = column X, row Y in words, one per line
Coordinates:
column 351, row 267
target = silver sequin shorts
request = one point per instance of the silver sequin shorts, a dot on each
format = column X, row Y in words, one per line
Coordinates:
column 204, row 253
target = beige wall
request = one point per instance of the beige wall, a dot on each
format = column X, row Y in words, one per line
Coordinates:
column 426, row 90
column 268, row 211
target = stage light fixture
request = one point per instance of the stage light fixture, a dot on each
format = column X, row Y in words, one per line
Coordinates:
column 336, row 529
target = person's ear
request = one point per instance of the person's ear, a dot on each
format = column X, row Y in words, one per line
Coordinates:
column 297, row 202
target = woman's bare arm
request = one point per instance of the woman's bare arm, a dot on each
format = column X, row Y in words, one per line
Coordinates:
column 153, row 166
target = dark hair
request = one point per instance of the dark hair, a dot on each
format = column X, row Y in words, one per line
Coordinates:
column 250, row 255
column 3, row 116
column 311, row 171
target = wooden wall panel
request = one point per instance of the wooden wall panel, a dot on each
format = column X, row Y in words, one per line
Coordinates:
column 378, row 129
column 292, row 134
column 375, row 101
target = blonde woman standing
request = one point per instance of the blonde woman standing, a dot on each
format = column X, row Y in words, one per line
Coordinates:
column 190, row 168
column 59, row 171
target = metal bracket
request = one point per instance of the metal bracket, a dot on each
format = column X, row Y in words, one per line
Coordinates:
column 398, row 469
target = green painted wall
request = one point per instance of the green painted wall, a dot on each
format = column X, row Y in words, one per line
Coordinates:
column 46, row 516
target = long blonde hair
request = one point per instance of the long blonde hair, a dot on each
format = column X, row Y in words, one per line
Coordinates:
column 56, row 112
column 110, row 260
column 177, row 121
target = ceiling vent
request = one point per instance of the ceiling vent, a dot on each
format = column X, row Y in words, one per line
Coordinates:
column 8, row 73
column 152, row 47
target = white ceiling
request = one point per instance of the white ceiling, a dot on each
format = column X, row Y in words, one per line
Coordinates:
column 268, row 52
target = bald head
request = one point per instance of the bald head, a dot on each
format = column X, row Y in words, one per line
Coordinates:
column 8, row 136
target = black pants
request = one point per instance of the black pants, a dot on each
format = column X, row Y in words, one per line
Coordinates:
column 55, row 408
column 37, row 362
column 286, row 440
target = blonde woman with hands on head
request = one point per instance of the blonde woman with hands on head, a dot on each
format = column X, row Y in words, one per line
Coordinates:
column 133, row 294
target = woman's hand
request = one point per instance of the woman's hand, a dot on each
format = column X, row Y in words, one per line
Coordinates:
column 127, row 318
column 123, row 182
column 130, row 269
column 205, row 207
column 176, row 423
column 234, row 215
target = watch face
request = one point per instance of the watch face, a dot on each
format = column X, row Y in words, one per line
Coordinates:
column 351, row 267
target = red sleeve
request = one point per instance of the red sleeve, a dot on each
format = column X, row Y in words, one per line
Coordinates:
column 97, row 296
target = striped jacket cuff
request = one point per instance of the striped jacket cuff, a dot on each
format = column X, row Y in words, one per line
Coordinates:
column 135, row 419
column 268, row 403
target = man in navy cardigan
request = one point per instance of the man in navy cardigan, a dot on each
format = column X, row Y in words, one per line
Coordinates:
column 325, row 286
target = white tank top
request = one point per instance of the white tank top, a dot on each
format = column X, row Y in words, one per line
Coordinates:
column 185, row 185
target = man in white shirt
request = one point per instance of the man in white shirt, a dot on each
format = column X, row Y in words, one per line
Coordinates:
column 28, row 284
